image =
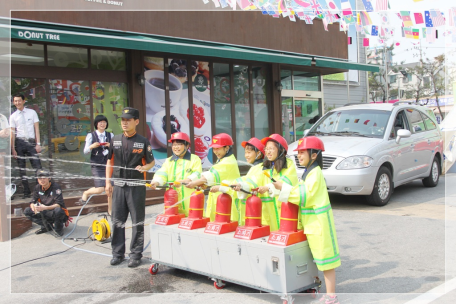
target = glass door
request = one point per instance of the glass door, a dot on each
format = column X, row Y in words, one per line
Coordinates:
column 298, row 115
column 287, row 119
column 307, row 112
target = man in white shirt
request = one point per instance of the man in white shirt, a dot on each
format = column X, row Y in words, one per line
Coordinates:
column 25, row 139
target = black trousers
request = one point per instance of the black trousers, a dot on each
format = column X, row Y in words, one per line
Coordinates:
column 128, row 200
column 25, row 150
column 55, row 216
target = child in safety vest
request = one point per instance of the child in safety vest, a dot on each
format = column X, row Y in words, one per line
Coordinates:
column 183, row 167
column 276, row 166
column 316, row 213
column 254, row 154
column 224, row 170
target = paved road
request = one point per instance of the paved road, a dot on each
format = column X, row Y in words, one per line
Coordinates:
column 389, row 254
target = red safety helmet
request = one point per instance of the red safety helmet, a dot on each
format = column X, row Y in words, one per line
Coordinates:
column 278, row 139
column 179, row 136
column 311, row 142
column 254, row 142
column 221, row 140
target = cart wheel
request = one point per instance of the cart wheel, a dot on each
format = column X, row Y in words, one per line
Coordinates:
column 313, row 291
column 153, row 269
column 221, row 286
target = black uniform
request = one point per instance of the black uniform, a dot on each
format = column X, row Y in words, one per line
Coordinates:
column 129, row 195
column 53, row 195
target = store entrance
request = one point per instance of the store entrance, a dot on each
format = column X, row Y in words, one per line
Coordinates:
column 298, row 114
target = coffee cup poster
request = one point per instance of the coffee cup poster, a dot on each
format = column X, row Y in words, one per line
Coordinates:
column 179, row 85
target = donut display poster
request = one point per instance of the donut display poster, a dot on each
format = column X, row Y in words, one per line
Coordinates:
column 178, row 93
column 70, row 102
column 109, row 98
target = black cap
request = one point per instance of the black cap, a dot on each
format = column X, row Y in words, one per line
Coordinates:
column 43, row 173
column 128, row 113
column 98, row 119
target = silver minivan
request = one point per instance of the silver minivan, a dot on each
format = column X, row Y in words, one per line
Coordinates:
column 372, row 148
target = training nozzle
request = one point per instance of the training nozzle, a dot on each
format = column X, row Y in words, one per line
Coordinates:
column 268, row 175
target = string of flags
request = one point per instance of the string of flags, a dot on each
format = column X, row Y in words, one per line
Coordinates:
column 415, row 25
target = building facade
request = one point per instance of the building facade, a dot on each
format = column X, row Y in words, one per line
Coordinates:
column 198, row 72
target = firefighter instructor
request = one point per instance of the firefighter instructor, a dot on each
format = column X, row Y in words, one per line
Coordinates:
column 130, row 157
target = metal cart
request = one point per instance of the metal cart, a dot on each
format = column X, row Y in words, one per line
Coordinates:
column 252, row 263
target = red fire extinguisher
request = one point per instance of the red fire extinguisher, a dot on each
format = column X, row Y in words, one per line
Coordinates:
column 196, row 208
column 171, row 198
column 223, row 209
column 253, row 208
column 289, row 217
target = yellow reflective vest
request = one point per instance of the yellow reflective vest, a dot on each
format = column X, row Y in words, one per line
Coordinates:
column 317, row 218
column 225, row 169
column 182, row 168
column 271, row 205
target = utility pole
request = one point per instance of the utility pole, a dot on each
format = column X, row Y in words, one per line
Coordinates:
column 386, row 71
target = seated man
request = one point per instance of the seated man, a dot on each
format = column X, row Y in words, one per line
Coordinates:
column 47, row 207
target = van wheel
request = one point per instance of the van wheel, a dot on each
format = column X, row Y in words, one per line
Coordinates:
column 383, row 188
column 433, row 179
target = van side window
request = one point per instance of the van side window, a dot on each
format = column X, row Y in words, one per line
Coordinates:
column 430, row 125
column 399, row 123
column 416, row 121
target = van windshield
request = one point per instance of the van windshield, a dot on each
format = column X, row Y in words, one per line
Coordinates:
column 364, row 123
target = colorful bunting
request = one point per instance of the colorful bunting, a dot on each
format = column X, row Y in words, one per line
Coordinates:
column 408, row 32
column 374, row 31
column 416, row 33
column 381, row 5
column 346, row 8
column 405, row 15
column 428, row 20
column 437, row 18
column 365, row 41
column 418, row 18
column 368, row 5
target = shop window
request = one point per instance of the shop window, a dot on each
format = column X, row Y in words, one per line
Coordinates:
column 70, row 123
column 260, row 102
column 306, row 81
column 155, row 105
column 202, row 129
column 27, row 53
column 285, row 78
column 107, row 60
column 67, row 57
column 241, row 107
column 109, row 98
column 34, row 90
column 222, row 98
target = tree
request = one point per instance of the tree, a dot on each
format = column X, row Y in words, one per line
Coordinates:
column 420, row 88
column 378, row 80
column 435, row 69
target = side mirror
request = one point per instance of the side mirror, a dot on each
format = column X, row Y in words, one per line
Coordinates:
column 402, row 133
column 306, row 131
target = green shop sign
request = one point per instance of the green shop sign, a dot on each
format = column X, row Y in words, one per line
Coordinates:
column 35, row 35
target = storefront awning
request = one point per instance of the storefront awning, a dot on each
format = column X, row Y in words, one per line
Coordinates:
column 96, row 37
column 337, row 64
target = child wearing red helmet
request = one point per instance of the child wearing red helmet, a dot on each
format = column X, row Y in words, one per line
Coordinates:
column 316, row 213
column 276, row 166
column 182, row 167
column 223, row 171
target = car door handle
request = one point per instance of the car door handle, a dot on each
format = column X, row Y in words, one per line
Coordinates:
column 429, row 141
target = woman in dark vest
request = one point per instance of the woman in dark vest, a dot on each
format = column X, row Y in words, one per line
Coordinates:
column 97, row 144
